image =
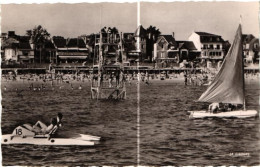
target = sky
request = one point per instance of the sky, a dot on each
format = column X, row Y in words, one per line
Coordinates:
column 182, row 18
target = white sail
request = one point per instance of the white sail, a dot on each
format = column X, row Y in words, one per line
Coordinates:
column 228, row 85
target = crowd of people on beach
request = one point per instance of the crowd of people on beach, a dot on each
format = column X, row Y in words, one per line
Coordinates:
column 37, row 82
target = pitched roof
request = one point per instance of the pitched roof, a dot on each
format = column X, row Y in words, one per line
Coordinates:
column 186, row 44
column 169, row 39
column 140, row 32
column 207, row 37
column 59, row 42
column 247, row 38
column 11, row 45
column 205, row 34
column 76, row 42
column 25, row 45
column 24, row 38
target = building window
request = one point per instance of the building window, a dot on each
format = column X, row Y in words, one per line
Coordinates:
column 211, row 46
column 256, row 46
column 161, row 45
column 25, row 53
column 218, row 47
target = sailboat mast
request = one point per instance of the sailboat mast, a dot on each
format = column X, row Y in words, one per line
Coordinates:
column 243, row 70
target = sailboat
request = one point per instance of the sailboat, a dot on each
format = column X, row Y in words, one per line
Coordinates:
column 228, row 87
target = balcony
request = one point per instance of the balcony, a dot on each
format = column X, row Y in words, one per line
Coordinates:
column 216, row 57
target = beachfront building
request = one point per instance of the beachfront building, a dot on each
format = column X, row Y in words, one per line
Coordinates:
column 166, row 53
column 250, row 49
column 16, row 49
column 70, row 50
column 129, row 45
column 187, row 53
column 211, row 46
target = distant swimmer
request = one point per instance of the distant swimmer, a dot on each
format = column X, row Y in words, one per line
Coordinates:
column 19, row 93
column 80, row 87
column 147, row 83
column 42, row 87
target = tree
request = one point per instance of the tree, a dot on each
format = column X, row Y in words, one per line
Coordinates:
column 153, row 33
column 39, row 36
column 152, row 36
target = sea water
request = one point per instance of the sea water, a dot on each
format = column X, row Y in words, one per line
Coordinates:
column 167, row 135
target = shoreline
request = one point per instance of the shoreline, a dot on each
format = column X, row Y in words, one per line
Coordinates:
column 180, row 79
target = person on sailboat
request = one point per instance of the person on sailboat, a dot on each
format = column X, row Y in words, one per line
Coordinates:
column 213, row 107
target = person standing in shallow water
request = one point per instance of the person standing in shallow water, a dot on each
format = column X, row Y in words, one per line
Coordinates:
column 185, row 79
column 117, row 78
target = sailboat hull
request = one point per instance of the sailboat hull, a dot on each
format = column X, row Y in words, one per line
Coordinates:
column 229, row 114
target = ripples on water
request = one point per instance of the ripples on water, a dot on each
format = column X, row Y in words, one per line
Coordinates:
column 168, row 136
